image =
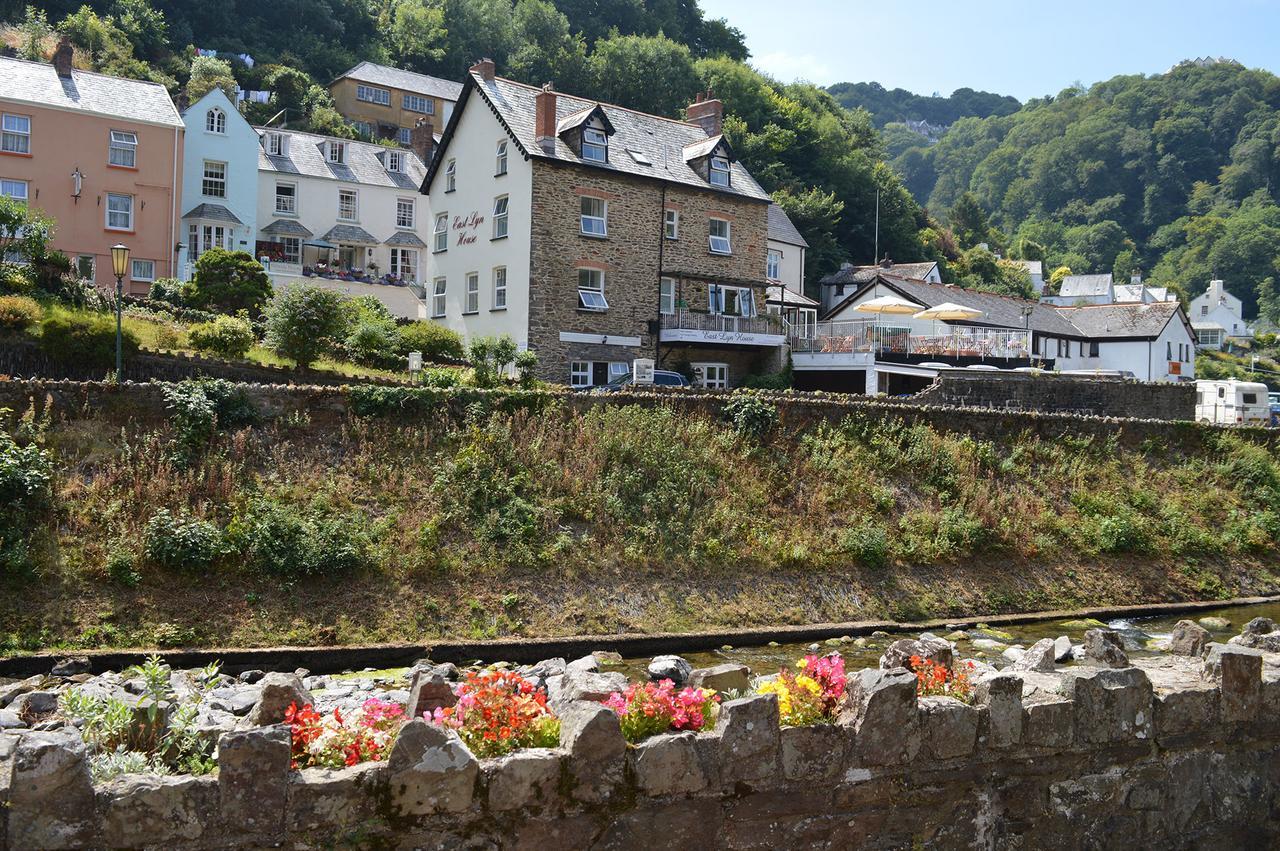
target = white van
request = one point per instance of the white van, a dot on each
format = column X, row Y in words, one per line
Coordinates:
column 1232, row 402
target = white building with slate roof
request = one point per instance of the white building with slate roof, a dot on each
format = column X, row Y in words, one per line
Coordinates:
column 342, row 214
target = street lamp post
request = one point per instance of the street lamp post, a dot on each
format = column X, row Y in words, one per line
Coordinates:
column 119, row 265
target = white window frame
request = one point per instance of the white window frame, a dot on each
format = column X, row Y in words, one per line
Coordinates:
column 373, row 94
column 501, row 208
column 471, row 294
column 337, row 153
column 404, row 263
column 591, row 290
column 91, row 262
column 500, row 166
column 440, row 234
column 15, row 133
column 499, row 288
column 595, row 145
column 418, row 103
column 395, row 161
column 9, row 189
column 671, row 224
column 667, row 296
column 439, row 294
column 215, row 182
column 580, row 373
column 451, row 176
column 355, row 205
column 123, row 147
column 718, row 301
column 290, row 207
column 712, row 238
column 406, row 213
column 807, row 319
column 587, row 222
column 719, row 172
column 129, row 213
column 720, row 382
column 292, row 250
column 146, row 276
column 215, row 121
column 773, row 265
column 275, row 145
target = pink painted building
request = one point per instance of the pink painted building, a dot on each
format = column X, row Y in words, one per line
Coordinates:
column 102, row 156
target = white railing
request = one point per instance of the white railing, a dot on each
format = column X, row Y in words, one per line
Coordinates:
column 871, row 336
column 687, row 320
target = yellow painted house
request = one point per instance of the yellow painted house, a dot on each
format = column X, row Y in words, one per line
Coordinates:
column 385, row 102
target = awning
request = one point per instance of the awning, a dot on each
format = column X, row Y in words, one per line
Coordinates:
column 789, row 297
column 320, row 243
column 287, row 227
column 350, row 234
column 213, row 212
column 406, row 238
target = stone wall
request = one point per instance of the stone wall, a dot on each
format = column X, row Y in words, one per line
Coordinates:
column 1063, row 394
column 1176, row 753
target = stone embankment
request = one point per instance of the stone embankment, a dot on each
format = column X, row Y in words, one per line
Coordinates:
column 1174, row 751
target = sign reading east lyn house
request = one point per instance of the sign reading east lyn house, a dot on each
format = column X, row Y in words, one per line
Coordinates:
column 689, row 335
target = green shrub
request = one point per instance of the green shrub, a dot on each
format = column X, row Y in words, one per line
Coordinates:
column 226, row 336
column 169, row 291
column 1120, row 533
column 52, row 271
column 293, row 543
column 373, row 343
column 526, row 364
column 26, row 493
column 122, row 568
column 750, row 414
column 84, row 340
column 490, row 357
column 182, row 542
column 304, row 321
column 15, row 280
column 18, row 313
column 199, row 408
column 866, row 544
column 229, row 281
column 435, row 341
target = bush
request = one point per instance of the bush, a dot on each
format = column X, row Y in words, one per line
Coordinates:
column 226, row 336
column 199, row 408
column 85, row 340
column 866, row 544
column 435, row 341
column 291, row 542
column 18, row 313
column 168, row 290
column 51, row 271
column 750, row 414
column 229, row 281
column 490, row 357
column 182, row 542
column 26, row 492
column 122, row 570
column 14, row 280
column 526, row 364
column 303, row 322
column 373, row 343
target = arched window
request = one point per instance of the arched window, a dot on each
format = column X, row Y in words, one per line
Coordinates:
column 215, row 121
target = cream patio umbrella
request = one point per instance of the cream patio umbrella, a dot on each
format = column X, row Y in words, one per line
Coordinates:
column 886, row 304
column 949, row 310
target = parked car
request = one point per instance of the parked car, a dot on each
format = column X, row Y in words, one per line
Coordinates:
column 661, row 377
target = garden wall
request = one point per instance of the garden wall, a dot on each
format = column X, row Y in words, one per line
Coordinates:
column 797, row 412
column 1177, row 754
column 1067, row 394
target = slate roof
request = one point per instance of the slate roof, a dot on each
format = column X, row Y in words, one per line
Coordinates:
column 409, row 81
column 661, row 140
column 793, row 299
column 287, row 227
column 1100, row 321
column 858, row 275
column 404, row 237
column 349, row 234
column 1033, row 267
column 1128, row 293
column 998, row 310
column 87, row 92
column 781, row 229
column 702, row 147
column 1085, row 286
column 363, row 161
column 214, row 212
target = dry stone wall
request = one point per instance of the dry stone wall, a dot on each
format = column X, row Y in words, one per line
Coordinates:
column 1178, row 753
column 1063, row 394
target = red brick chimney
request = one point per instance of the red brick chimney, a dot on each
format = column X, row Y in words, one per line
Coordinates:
column 544, row 116
column 62, row 57
column 485, row 68
column 422, row 140
column 707, row 112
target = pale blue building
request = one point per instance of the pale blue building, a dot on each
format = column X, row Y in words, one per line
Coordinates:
column 219, row 179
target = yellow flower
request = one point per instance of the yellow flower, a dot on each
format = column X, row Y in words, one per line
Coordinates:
column 802, row 664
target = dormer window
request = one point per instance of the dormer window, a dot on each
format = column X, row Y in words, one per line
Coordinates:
column 719, row 171
column 395, row 161
column 337, row 152
column 276, row 145
column 595, row 145
column 215, row 121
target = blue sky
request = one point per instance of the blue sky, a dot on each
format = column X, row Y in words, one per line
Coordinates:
column 1025, row 48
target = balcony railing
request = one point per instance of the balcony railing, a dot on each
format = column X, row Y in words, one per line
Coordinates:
column 688, row 320
column 871, row 336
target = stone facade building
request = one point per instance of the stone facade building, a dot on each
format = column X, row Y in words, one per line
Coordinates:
column 386, row 103
column 595, row 235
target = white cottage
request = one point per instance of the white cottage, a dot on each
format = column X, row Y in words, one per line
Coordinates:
column 1217, row 316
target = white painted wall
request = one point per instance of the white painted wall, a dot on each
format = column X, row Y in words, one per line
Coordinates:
column 238, row 148
column 474, row 147
column 1147, row 359
column 791, row 266
column 1216, row 305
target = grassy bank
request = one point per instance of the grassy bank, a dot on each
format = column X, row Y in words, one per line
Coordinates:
column 619, row 519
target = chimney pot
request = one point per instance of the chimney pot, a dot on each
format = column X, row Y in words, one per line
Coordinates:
column 707, row 112
column 886, row 263
column 485, row 68
column 422, row 139
column 62, row 58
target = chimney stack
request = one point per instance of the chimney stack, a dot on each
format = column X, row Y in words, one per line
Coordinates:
column 544, row 117
column 62, row 58
column 707, row 112
column 485, row 68
column 886, row 263
column 1135, row 278
column 422, row 140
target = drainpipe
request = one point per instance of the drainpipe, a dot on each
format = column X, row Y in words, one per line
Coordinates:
column 662, row 240
column 173, row 209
